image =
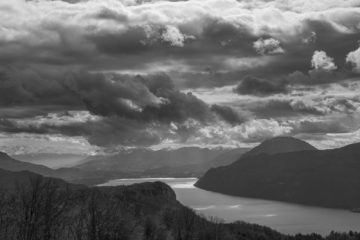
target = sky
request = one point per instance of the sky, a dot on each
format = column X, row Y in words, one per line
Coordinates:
column 90, row 76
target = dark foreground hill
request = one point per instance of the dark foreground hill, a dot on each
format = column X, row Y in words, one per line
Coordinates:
column 40, row 208
column 327, row 178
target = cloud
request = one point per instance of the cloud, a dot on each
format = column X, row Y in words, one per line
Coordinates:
column 286, row 108
column 268, row 46
column 354, row 59
column 108, row 94
column 65, row 123
column 144, row 32
column 105, row 58
column 141, row 98
column 259, row 87
column 30, row 143
column 100, row 131
column 229, row 114
column 321, row 61
column 173, row 36
column 252, row 131
column 320, row 127
column 24, row 86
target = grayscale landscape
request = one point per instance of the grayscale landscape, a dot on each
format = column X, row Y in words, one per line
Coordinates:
column 179, row 120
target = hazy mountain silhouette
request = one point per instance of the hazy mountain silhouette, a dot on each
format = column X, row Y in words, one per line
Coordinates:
column 9, row 163
column 316, row 177
column 52, row 160
column 187, row 161
column 183, row 162
column 73, row 175
column 280, row 145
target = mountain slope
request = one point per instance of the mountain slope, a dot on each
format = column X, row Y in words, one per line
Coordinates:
column 11, row 180
column 327, row 178
column 280, row 145
column 73, row 175
column 10, row 164
column 227, row 157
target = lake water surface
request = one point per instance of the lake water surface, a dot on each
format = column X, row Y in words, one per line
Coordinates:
column 284, row 217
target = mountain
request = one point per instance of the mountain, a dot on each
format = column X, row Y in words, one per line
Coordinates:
column 73, row 175
column 51, row 160
column 328, row 178
column 227, row 157
column 280, row 145
column 184, row 162
column 187, row 161
column 10, row 180
column 10, row 164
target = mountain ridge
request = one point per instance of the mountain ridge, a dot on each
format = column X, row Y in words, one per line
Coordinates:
column 191, row 160
column 327, row 178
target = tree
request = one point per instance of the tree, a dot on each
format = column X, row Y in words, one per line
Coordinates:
column 40, row 206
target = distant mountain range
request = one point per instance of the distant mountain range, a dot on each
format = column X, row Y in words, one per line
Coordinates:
column 183, row 162
column 73, row 175
column 52, row 160
column 10, row 164
column 288, row 169
column 187, row 161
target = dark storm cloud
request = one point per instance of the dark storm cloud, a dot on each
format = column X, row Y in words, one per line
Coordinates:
column 19, row 112
column 260, row 87
column 151, row 98
column 118, row 35
column 73, row 129
column 229, row 114
column 22, row 86
column 298, row 55
column 179, row 108
column 130, row 42
column 109, row 94
column 142, row 98
column 106, row 132
column 134, row 110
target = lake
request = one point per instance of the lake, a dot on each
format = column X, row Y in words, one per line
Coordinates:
column 284, row 217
